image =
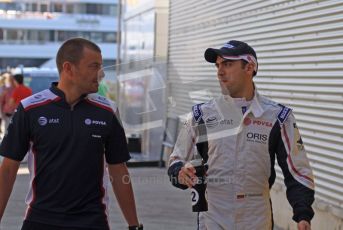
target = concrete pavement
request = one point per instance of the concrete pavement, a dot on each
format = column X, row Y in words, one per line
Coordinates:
column 159, row 205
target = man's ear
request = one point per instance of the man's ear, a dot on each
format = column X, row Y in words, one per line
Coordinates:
column 68, row 68
column 250, row 67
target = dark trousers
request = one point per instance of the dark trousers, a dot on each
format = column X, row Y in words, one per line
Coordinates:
column 27, row 225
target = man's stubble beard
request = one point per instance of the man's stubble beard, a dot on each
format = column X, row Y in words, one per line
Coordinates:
column 224, row 90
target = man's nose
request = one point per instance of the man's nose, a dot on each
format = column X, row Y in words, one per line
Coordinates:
column 220, row 71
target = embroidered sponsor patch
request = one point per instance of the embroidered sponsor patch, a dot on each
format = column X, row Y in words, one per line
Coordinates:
column 240, row 196
column 244, row 109
column 197, row 113
column 298, row 142
column 211, row 122
column 283, row 114
column 229, row 46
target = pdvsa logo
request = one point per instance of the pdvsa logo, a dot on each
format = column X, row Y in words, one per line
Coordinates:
column 248, row 121
column 94, row 122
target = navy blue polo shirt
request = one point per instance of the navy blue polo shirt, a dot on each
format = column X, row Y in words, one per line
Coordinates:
column 68, row 151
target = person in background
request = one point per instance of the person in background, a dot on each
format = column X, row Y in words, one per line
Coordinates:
column 20, row 91
column 77, row 146
column 103, row 89
column 2, row 92
column 241, row 150
column 7, row 106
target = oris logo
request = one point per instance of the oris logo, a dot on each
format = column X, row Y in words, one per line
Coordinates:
column 257, row 138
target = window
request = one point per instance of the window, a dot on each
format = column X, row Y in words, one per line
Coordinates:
column 51, row 36
column 57, row 7
column 112, row 10
column 12, row 35
column 42, row 35
column 43, row 7
column 11, row 6
column 34, row 7
column 96, row 37
column 61, row 36
column 85, row 35
column 20, row 35
column 32, row 35
column 28, row 6
column 70, row 8
column 110, row 37
column 109, row 62
column 93, row 9
column 64, row 35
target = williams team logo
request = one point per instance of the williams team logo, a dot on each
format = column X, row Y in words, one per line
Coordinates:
column 38, row 96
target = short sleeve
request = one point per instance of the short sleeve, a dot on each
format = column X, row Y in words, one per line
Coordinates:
column 116, row 150
column 184, row 148
column 16, row 141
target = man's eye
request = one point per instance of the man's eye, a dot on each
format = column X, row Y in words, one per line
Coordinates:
column 95, row 66
column 226, row 64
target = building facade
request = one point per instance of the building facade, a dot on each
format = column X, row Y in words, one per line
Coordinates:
column 142, row 72
column 31, row 31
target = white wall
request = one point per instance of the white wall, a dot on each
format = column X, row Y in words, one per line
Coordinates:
column 299, row 45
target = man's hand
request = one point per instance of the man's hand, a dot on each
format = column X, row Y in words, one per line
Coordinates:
column 187, row 175
column 304, row 225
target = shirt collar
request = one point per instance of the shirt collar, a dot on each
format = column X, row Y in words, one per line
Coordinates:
column 61, row 94
column 56, row 90
column 255, row 106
